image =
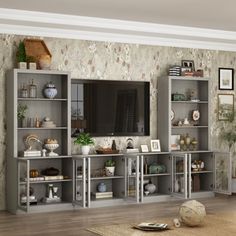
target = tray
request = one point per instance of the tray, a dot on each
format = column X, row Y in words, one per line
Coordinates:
column 107, row 151
column 36, row 48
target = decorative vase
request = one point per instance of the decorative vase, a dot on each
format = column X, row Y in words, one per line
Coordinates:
column 151, row 188
column 110, row 170
column 45, row 62
column 177, row 187
column 101, row 187
column 50, row 90
column 85, row 149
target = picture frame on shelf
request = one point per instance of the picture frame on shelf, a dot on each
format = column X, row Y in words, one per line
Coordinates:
column 144, row 148
column 225, row 106
column 188, row 64
column 226, row 78
column 174, row 142
column 155, row 145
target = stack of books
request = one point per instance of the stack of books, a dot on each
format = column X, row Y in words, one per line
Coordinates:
column 32, row 153
column 175, row 71
column 32, row 200
column 46, row 177
column 101, row 195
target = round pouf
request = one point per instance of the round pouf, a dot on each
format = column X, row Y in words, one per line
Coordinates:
column 192, row 213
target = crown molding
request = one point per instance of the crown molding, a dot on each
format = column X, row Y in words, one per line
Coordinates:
column 31, row 23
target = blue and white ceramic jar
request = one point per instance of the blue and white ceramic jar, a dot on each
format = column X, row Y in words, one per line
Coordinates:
column 101, row 187
column 50, row 90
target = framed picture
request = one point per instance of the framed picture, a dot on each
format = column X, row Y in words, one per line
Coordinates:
column 225, row 106
column 188, row 64
column 144, row 148
column 174, row 142
column 226, row 79
column 155, row 145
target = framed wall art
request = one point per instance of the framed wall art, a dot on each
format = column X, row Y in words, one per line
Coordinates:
column 155, row 145
column 226, row 79
column 144, row 148
column 225, row 106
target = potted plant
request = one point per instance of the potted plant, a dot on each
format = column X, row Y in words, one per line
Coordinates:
column 84, row 140
column 21, row 56
column 110, row 167
column 21, row 111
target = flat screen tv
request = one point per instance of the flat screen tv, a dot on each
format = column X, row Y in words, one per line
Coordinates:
column 107, row 108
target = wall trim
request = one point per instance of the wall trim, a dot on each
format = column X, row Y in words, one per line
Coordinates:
column 31, row 23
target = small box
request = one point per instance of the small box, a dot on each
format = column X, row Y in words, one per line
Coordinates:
column 32, row 66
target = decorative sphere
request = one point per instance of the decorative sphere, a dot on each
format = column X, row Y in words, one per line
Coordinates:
column 192, row 213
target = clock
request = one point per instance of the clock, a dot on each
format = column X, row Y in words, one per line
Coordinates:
column 196, row 115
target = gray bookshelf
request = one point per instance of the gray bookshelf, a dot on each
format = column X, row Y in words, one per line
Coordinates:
column 18, row 167
column 194, row 95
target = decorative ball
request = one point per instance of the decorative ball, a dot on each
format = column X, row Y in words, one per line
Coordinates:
column 192, row 213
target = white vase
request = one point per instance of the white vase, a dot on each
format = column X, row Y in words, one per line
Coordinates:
column 85, row 149
column 110, row 170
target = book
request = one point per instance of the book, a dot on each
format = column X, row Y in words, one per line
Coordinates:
column 54, row 177
column 100, row 195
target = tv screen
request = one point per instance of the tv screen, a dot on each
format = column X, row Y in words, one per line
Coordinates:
column 106, row 108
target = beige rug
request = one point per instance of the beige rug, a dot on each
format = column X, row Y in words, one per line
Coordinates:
column 214, row 225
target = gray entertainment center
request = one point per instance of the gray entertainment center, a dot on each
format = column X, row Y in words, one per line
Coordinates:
column 32, row 188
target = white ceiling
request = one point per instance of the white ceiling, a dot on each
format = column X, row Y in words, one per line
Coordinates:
column 214, row 14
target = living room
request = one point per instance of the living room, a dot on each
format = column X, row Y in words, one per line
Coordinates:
column 127, row 51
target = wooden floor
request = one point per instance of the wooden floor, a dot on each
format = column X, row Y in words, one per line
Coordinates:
column 75, row 222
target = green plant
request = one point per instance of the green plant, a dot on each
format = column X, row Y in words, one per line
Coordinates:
column 30, row 59
column 84, row 139
column 21, row 55
column 110, row 163
column 21, row 111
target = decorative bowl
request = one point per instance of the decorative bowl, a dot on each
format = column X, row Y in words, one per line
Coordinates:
column 52, row 147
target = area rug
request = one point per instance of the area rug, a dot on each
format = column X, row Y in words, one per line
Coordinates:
column 214, row 225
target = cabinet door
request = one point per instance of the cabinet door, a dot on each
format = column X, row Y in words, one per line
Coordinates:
column 179, row 175
column 222, row 174
column 132, row 192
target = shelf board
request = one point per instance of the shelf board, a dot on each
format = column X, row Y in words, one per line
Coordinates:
column 189, row 78
column 108, row 177
column 190, row 102
column 189, row 127
column 43, row 128
column 196, row 172
column 46, row 181
column 201, row 172
column 43, row 99
column 161, row 174
column 42, row 158
column 155, row 195
column 176, row 152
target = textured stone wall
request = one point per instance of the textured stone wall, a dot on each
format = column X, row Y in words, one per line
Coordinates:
column 102, row 60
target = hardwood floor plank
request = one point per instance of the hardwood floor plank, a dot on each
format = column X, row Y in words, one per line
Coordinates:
column 70, row 223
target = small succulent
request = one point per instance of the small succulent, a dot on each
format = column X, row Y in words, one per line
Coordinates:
column 21, row 111
column 21, row 54
column 110, row 163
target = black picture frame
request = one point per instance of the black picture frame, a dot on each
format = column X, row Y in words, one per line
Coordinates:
column 226, row 78
column 188, row 64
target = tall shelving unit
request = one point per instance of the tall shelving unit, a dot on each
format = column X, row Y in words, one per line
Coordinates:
column 178, row 97
column 57, row 109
